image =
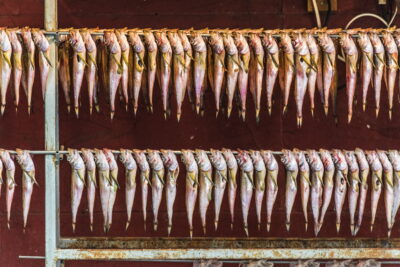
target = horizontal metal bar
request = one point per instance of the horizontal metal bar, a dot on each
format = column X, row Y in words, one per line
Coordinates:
column 32, row 257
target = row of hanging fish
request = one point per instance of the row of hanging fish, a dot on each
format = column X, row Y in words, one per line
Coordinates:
column 230, row 62
column 324, row 175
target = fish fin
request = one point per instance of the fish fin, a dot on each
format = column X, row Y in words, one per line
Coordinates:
column 93, row 179
column 138, row 64
column 81, row 58
column 81, row 175
column 192, row 177
column 208, row 177
column 250, row 178
column 308, row 63
column 370, row 60
column 124, row 59
column 90, row 57
column 160, row 175
column 260, row 61
column 224, row 177
column 31, row 174
column 6, row 58
column 276, row 64
column 163, row 57
column 47, row 58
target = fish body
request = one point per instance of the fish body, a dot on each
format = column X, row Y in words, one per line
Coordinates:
column 124, row 45
column 220, row 180
column 376, row 183
column 232, row 69
column 232, row 166
column 138, row 70
column 91, row 69
column 288, row 67
column 392, row 65
column 157, row 182
column 367, row 52
column 187, row 71
column 289, row 161
column 317, row 182
column 260, row 171
column 379, row 68
column 171, row 164
column 78, row 65
column 77, row 181
column 112, row 163
column 271, row 65
column 256, row 71
column 243, row 75
column 64, row 69
column 217, row 66
column 272, row 183
column 354, row 189
column 329, row 171
column 25, row 161
column 388, row 182
column 9, row 166
column 246, row 184
column 302, row 70
column 315, row 71
column 192, row 184
column 105, row 185
column 364, row 173
column 394, row 157
column 305, row 183
column 144, row 168
column 130, row 182
column 151, row 52
column 199, row 69
column 91, row 182
column 43, row 47
column 16, row 63
column 6, row 67
column 340, row 183
column 28, row 66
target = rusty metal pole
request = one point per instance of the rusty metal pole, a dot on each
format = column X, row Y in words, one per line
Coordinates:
column 51, row 141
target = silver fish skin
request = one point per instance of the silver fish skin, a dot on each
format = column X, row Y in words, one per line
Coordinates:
column 364, row 173
column 305, row 183
column 272, row 65
column 367, row 52
column 6, row 67
column 91, row 69
column 43, row 46
column 220, row 180
column 392, row 65
column 112, row 163
column 340, row 183
column 272, row 183
column 232, row 181
column 157, row 182
column 9, row 166
column 77, row 181
column 104, row 183
column 151, row 63
column 256, row 72
column 260, row 173
column 379, row 67
column 91, row 183
column 315, row 72
column 218, row 67
column 246, row 184
column 16, row 63
column 144, row 167
column 317, row 183
column 288, row 67
column 289, row 161
column 232, row 69
column 376, row 182
column 188, row 70
column 192, row 184
column 171, row 164
column 25, row 161
column 206, row 184
column 394, row 157
column 329, row 171
column 130, row 181
column 124, row 46
column 388, row 182
column 354, row 190
column 28, row 67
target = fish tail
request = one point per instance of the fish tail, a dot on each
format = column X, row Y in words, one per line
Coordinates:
column 127, row 225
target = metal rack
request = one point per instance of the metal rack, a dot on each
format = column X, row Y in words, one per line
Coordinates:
column 59, row 249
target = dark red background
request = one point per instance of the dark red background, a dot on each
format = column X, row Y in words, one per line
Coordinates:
column 151, row 131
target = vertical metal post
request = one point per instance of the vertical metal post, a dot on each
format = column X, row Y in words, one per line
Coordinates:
column 51, row 141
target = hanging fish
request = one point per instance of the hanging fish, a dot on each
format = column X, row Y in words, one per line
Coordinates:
column 151, row 67
column 220, row 180
column 288, row 68
column 171, row 164
column 272, row 183
column 9, row 165
column 329, row 171
column 64, row 74
column 232, row 182
column 392, row 65
column 138, row 67
column 271, row 65
column 376, row 183
column 77, row 181
column 43, row 46
column 394, row 157
column 16, row 63
column 91, row 182
column 217, row 65
column 105, row 184
column 388, row 182
column 192, row 183
column 24, row 160
column 112, row 163
column 232, row 69
column 289, row 161
column 354, row 190
column 188, row 70
column 364, row 173
column 144, row 168
column 366, row 63
column 256, row 71
column 340, row 183
column 124, row 45
column 304, row 175
column 28, row 66
column 157, row 182
column 260, row 173
column 6, row 67
column 199, row 68
column 379, row 67
column 246, row 184
column 130, row 182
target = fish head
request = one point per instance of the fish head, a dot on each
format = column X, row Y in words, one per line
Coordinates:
column 125, row 155
column 394, row 158
column 229, row 158
column 351, row 160
column 326, row 159
column 26, row 35
column 71, row 154
column 74, row 36
column 384, row 160
column 37, row 35
column 339, row 159
column 108, row 37
column 362, row 160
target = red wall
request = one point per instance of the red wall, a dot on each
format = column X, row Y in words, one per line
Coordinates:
column 147, row 131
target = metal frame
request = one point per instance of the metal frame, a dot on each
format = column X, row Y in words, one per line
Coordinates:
column 170, row 249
